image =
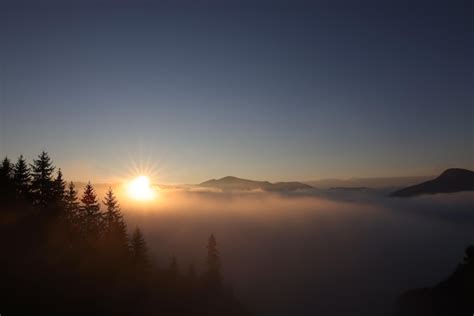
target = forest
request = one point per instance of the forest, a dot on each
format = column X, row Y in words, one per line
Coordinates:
column 68, row 253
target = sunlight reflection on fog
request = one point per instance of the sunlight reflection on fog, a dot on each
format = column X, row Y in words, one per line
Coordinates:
column 299, row 254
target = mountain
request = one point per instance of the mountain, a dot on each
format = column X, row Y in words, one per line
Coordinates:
column 351, row 189
column 288, row 186
column 451, row 180
column 373, row 183
column 230, row 183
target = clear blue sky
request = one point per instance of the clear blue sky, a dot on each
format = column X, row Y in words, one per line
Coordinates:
column 276, row 90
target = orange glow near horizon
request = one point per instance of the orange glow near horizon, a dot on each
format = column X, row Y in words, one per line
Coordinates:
column 140, row 189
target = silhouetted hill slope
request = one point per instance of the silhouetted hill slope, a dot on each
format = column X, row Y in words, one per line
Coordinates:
column 373, row 183
column 288, row 186
column 453, row 296
column 451, row 180
column 230, row 183
column 353, row 189
column 234, row 183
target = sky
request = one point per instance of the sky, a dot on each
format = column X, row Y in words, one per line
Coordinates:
column 274, row 90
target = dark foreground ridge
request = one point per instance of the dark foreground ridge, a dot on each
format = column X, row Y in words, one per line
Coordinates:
column 453, row 296
column 450, row 181
column 230, row 183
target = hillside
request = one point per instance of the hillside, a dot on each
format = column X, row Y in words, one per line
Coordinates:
column 452, row 296
column 373, row 183
column 450, row 181
column 230, row 183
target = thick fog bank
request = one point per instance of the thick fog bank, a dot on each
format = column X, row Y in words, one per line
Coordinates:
column 341, row 254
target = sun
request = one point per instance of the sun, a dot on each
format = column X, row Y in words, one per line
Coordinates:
column 140, row 189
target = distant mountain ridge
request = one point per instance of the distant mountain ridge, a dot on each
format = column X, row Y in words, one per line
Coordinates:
column 373, row 183
column 230, row 183
column 450, row 181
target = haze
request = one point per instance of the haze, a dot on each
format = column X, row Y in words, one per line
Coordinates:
column 307, row 255
column 314, row 252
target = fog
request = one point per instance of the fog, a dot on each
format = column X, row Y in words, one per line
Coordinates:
column 324, row 252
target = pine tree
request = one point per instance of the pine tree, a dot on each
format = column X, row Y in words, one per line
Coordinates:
column 71, row 203
column 42, row 181
column 213, row 272
column 115, row 227
column 90, row 217
column 71, row 207
column 90, row 205
column 139, row 249
column 7, row 189
column 59, row 191
column 112, row 212
column 22, row 178
column 6, row 170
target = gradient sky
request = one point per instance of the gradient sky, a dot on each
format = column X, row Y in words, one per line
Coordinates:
column 275, row 90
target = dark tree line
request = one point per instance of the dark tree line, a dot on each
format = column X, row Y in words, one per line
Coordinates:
column 64, row 254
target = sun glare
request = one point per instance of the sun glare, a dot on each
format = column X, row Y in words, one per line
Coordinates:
column 140, row 189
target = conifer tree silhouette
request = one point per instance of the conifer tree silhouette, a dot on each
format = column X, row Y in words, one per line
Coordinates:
column 59, row 185
column 7, row 190
column 59, row 191
column 71, row 203
column 22, row 178
column 115, row 227
column 6, row 170
column 213, row 271
column 42, row 182
column 112, row 212
column 90, row 216
column 139, row 249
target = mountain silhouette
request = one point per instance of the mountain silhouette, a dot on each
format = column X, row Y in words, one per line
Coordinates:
column 374, row 183
column 451, row 180
column 230, row 183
